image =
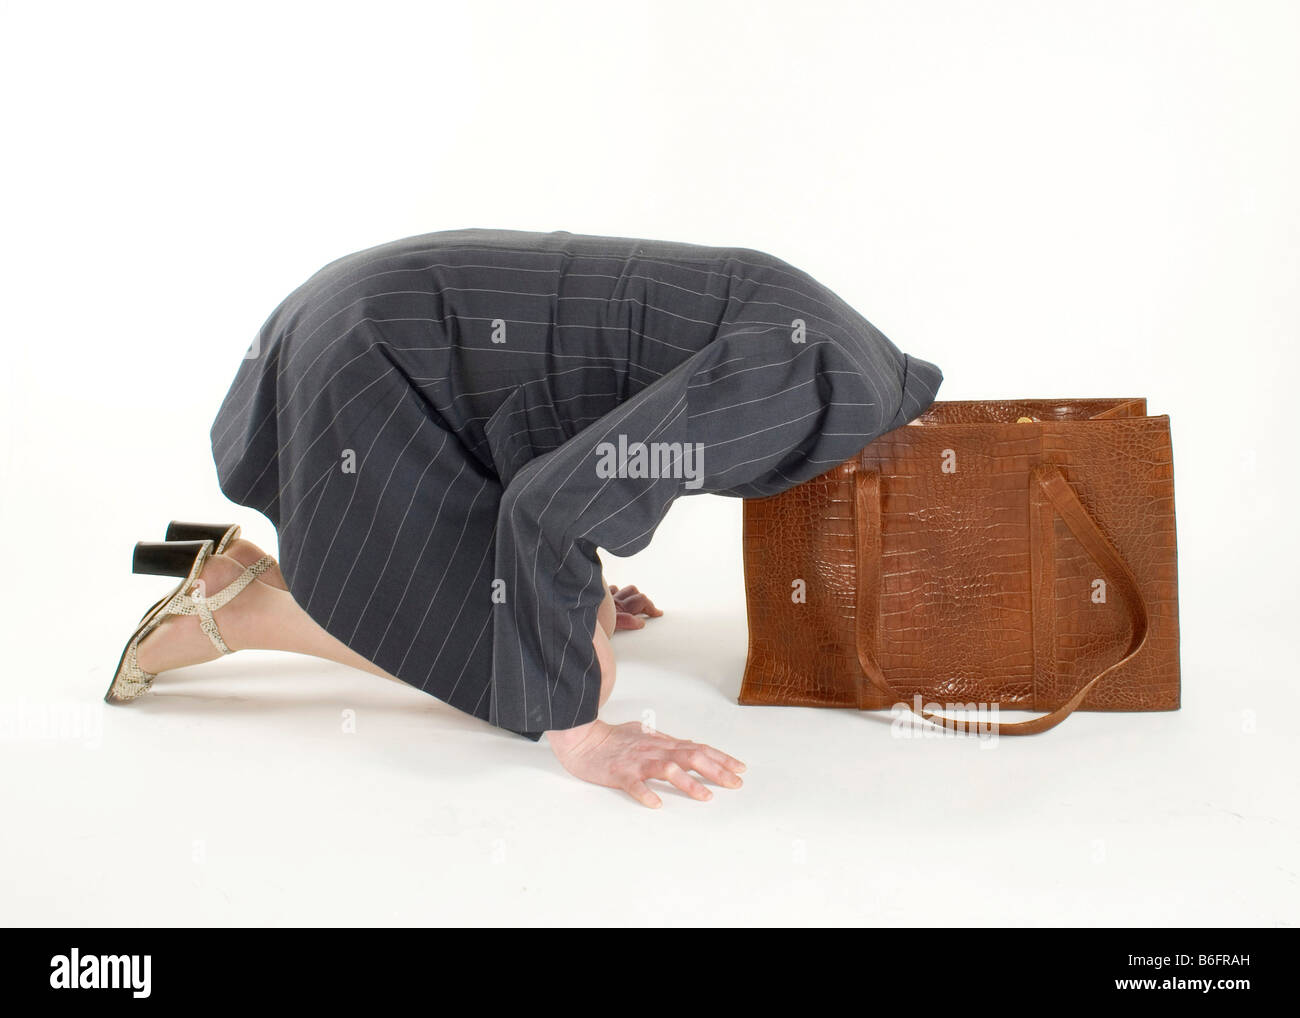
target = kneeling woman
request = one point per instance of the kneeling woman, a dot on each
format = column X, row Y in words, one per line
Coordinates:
column 429, row 425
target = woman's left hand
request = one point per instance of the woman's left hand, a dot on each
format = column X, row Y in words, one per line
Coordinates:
column 630, row 604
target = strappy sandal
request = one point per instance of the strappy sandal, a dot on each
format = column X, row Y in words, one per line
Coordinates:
column 185, row 559
column 222, row 536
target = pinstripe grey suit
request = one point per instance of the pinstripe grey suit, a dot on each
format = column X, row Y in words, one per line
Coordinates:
column 444, row 430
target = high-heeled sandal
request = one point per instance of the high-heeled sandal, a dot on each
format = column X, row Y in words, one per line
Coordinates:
column 222, row 536
column 175, row 558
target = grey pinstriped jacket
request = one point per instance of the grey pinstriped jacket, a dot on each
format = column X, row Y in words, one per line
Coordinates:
column 444, row 429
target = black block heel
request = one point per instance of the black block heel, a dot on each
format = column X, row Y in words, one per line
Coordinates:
column 167, row 558
column 220, row 534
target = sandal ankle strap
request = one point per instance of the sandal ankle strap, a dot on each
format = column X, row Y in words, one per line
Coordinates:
column 203, row 607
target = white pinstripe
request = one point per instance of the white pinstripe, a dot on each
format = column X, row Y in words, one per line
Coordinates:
column 375, row 514
column 383, row 569
column 311, row 598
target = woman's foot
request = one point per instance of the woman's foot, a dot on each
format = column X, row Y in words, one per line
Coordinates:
column 179, row 641
column 246, row 553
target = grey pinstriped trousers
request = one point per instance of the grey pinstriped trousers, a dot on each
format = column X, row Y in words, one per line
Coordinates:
column 430, row 424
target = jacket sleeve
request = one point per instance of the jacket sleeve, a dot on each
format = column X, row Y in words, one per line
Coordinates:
column 750, row 415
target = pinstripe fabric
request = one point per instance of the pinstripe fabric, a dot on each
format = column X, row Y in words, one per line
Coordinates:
column 429, row 423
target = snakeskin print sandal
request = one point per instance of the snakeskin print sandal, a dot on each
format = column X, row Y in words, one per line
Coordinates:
column 221, row 535
column 176, row 558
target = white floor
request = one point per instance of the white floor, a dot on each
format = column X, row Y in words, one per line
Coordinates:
column 234, row 795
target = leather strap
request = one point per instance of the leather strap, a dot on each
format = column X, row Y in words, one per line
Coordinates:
column 1049, row 479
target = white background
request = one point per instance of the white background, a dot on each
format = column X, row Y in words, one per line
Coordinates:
column 1045, row 199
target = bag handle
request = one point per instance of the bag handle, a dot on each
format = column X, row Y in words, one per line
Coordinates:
column 1049, row 479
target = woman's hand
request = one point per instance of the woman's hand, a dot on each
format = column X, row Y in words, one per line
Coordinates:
column 627, row 756
column 630, row 604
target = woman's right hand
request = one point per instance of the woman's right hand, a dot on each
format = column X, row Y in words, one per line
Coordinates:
column 627, row 756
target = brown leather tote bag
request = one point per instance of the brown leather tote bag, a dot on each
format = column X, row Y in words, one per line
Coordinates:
column 1012, row 553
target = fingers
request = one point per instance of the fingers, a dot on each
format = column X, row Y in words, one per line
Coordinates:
column 715, row 770
column 629, row 599
column 729, row 762
column 725, row 759
column 640, row 791
column 630, row 604
column 631, row 757
column 674, row 773
column 637, row 604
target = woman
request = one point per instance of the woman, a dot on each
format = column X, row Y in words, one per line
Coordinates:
column 444, row 430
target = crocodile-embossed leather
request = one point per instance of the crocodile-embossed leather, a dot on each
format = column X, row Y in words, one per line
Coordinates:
column 1018, row 553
